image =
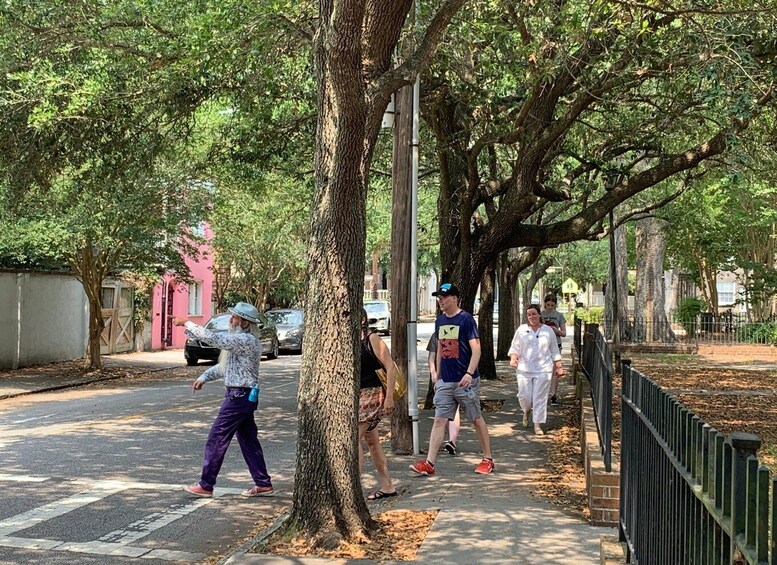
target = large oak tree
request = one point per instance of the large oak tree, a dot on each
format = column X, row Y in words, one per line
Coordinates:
column 353, row 49
column 580, row 107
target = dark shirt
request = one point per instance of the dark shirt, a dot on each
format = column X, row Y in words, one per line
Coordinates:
column 368, row 378
column 454, row 334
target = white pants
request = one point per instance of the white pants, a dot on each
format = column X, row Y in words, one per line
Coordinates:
column 533, row 394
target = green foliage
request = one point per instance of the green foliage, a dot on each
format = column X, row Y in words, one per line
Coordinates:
column 688, row 311
column 591, row 315
column 259, row 240
column 762, row 332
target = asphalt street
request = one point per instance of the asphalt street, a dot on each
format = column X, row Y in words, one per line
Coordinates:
column 93, row 473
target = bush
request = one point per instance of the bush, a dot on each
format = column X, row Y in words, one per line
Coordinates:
column 762, row 332
column 591, row 315
column 688, row 311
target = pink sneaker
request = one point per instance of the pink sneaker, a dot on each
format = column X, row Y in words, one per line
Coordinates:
column 423, row 467
column 257, row 491
column 197, row 490
column 486, row 467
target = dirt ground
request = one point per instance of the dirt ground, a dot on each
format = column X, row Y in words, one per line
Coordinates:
column 728, row 396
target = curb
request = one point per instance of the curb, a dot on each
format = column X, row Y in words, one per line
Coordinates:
column 255, row 541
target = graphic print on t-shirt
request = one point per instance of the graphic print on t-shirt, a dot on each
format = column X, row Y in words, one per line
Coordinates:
column 449, row 342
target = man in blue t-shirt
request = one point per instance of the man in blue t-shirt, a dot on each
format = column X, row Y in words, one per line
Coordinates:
column 457, row 382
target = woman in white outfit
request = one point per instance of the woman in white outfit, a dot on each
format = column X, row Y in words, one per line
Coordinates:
column 535, row 355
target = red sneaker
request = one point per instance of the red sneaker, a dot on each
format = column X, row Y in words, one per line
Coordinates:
column 486, row 467
column 423, row 467
column 257, row 491
column 197, row 490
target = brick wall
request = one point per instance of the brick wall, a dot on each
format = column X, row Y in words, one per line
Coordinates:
column 718, row 351
column 744, row 352
column 603, row 487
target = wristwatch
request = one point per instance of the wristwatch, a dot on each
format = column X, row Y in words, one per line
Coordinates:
column 468, row 373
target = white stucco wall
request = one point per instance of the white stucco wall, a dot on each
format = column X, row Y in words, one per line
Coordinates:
column 8, row 319
column 51, row 314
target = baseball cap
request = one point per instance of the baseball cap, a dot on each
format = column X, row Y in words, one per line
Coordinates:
column 447, row 289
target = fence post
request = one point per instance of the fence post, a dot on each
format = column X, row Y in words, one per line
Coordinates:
column 744, row 445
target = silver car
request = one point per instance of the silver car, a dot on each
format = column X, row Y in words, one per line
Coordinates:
column 289, row 323
column 379, row 314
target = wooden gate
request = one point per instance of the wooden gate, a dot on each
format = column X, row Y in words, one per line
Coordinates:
column 119, row 333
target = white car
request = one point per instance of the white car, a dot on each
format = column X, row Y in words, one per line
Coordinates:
column 379, row 314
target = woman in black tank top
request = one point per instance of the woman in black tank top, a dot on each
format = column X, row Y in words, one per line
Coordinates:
column 373, row 403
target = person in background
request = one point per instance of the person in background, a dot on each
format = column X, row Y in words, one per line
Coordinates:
column 556, row 321
column 375, row 402
column 453, row 425
column 457, row 381
column 535, row 355
column 241, row 350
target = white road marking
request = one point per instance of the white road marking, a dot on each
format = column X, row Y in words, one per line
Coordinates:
column 22, row 478
column 51, row 510
column 32, row 419
column 113, row 543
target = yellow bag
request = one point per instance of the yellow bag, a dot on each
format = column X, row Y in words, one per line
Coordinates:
column 400, row 383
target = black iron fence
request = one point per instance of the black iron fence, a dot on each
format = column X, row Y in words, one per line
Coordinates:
column 689, row 495
column 725, row 328
column 596, row 362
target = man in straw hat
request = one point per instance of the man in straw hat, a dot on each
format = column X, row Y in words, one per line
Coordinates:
column 238, row 365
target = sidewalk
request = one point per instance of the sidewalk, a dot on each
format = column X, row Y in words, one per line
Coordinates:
column 57, row 376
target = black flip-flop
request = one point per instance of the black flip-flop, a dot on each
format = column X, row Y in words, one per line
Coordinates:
column 378, row 494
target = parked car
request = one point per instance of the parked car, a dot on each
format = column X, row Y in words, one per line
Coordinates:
column 194, row 350
column 289, row 322
column 380, row 312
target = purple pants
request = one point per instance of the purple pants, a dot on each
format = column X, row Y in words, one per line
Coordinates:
column 236, row 415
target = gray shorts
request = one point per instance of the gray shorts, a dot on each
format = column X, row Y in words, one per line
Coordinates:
column 449, row 396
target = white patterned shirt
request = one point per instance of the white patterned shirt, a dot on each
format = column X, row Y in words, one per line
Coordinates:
column 242, row 365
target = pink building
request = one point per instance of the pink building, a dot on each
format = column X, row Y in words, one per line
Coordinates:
column 186, row 300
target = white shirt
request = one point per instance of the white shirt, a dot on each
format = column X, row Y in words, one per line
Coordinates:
column 536, row 350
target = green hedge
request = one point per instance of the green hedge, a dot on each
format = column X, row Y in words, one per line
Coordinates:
column 591, row 315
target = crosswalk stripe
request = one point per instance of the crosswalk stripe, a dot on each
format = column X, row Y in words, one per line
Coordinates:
column 113, row 543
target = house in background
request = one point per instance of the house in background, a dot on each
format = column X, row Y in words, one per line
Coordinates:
column 173, row 298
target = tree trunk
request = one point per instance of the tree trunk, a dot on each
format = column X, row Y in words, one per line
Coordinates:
column 622, row 285
column 650, row 313
column 90, row 267
column 327, row 490
column 538, row 270
column 401, row 432
column 93, row 289
column 507, row 288
column 487, row 367
column 352, row 52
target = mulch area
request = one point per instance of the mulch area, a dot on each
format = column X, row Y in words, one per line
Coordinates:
column 398, row 537
column 562, row 481
column 728, row 398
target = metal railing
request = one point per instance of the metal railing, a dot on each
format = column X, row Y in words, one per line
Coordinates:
column 596, row 362
column 706, row 328
column 687, row 494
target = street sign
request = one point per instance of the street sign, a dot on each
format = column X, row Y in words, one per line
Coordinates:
column 570, row 287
